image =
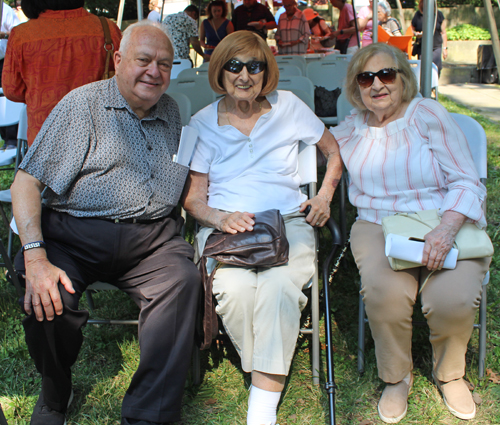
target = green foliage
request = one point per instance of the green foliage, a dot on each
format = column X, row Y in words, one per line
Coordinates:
column 467, row 32
column 109, row 8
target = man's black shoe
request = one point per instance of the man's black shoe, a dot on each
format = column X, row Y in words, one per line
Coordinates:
column 127, row 421
column 44, row 415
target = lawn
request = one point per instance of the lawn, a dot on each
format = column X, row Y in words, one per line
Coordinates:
column 110, row 355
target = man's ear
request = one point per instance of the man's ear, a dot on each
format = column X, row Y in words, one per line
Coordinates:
column 117, row 58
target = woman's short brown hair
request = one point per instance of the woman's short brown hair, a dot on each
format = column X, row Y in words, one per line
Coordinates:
column 358, row 62
column 243, row 42
column 216, row 3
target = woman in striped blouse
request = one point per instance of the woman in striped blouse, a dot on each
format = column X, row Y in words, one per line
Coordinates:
column 406, row 154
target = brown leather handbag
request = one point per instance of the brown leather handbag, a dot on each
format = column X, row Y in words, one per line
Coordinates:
column 265, row 246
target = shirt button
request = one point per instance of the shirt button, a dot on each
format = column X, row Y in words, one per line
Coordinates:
column 251, row 150
column 250, row 145
column 152, row 176
column 150, row 148
column 249, row 140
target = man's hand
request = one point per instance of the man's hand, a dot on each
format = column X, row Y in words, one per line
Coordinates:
column 42, row 290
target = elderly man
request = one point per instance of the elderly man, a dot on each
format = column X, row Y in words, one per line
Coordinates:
column 183, row 32
column 253, row 16
column 292, row 36
column 104, row 158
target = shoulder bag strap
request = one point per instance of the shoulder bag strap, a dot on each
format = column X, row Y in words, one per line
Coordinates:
column 108, row 46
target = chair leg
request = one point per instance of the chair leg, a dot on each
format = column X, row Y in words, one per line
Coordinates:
column 315, row 326
column 482, row 326
column 361, row 336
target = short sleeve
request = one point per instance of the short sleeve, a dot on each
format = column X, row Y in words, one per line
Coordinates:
column 309, row 128
column 202, row 157
column 192, row 28
column 60, row 148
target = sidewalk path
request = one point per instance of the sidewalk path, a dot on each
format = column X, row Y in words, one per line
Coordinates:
column 483, row 98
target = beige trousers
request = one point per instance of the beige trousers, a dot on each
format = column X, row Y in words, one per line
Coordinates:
column 449, row 301
column 260, row 307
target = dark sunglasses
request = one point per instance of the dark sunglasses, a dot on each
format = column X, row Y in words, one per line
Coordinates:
column 253, row 67
column 385, row 75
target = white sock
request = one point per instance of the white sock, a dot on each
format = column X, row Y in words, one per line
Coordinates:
column 262, row 406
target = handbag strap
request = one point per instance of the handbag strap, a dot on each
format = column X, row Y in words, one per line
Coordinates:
column 108, row 46
column 210, row 323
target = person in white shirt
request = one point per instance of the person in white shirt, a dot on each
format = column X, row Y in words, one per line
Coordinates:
column 406, row 154
column 155, row 8
column 245, row 161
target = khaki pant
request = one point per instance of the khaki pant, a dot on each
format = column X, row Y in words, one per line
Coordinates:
column 449, row 301
column 260, row 307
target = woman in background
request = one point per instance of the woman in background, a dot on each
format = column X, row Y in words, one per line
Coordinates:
column 386, row 21
column 318, row 27
column 215, row 27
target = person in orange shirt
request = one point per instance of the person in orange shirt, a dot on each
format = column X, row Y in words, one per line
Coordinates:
column 59, row 49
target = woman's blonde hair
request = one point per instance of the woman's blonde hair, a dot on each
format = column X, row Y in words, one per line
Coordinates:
column 358, row 62
column 247, row 43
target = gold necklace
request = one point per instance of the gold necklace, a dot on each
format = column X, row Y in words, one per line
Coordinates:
column 227, row 115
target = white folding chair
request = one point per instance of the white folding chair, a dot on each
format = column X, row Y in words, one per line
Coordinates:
column 286, row 70
column 178, row 66
column 193, row 72
column 476, row 138
column 329, row 75
column 296, row 60
column 9, row 115
column 333, row 58
column 290, row 82
column 204, row 65
column 416, row 68
column 196, row 88
column 184, row 106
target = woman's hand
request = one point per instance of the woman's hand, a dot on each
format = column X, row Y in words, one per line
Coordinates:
column 320, row 210
column 237, row 222
column 439, row 241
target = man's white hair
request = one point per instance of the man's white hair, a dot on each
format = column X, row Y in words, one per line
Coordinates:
column 127, row 34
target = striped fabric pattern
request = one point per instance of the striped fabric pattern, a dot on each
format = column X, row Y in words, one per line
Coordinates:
column 418, row 162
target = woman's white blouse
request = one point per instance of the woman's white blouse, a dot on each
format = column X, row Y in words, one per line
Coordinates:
column 419, row 162
column 257, row 172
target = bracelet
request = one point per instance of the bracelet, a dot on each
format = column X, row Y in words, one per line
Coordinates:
column 32, row 245
column 341, row 32
column 445, row 48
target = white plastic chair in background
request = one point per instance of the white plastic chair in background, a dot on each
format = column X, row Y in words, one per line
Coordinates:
column 293, row 60
column 197, row 89
column 289, row 70
column 290, row 82
column 193, row 72
column 178, row 66
column 184, row 106
column 9, row 115
column 416, row 68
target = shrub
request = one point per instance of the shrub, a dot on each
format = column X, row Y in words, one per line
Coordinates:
column 467, row 32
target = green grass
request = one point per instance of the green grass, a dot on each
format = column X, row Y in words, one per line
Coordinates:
column 110, row 355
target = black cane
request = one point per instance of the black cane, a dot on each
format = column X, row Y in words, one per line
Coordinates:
column 330, row 382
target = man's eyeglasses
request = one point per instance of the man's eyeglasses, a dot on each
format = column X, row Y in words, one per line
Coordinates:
column 253, row 67
column 385, row 75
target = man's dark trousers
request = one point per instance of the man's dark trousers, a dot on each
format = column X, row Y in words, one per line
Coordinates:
column 152, row 264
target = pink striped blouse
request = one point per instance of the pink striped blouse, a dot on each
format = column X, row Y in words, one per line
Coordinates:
column 418, row 162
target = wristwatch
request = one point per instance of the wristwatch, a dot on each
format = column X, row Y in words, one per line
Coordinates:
column 341, row 32
column 445, row 48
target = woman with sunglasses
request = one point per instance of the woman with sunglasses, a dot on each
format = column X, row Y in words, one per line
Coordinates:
column 246, row 161
column 406, row 154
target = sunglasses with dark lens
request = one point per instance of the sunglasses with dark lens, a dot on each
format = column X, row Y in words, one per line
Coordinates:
column 385, row 75
column 253, row 67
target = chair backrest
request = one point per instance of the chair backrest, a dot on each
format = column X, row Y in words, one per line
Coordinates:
column 343, row 108
column 307, row 163
column 416, row 67
column 184, row 106
column 296, row 82
column 178, row 66
column 204, row 65
column 197, row 89
column 327, row 74
column 9, row 112
column 193, row 72
column 305, row 97
column 287, row 69
column 296, row 60
column 337, row 57
column 476, row 138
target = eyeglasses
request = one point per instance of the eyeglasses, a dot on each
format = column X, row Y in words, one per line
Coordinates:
column 385, row 75
column 253, row 67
